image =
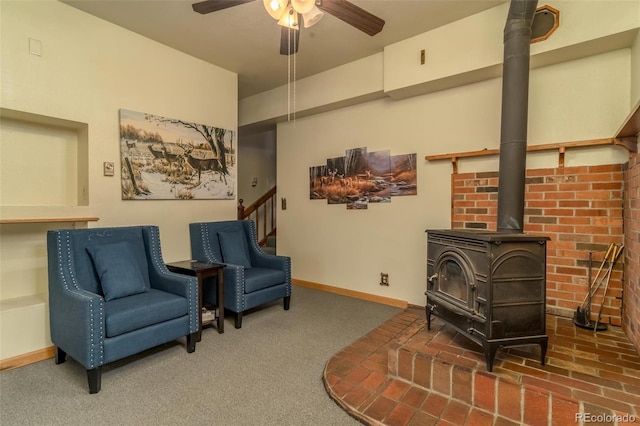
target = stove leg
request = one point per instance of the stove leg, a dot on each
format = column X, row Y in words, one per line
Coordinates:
column 490, row 354
column 543, row 351
column 427, row 312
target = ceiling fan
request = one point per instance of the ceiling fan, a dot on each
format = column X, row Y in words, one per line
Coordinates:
column 288, row 14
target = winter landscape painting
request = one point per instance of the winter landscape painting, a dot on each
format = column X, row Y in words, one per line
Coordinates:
column 165, row 158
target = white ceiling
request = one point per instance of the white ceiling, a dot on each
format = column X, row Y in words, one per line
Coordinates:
column 246, row 40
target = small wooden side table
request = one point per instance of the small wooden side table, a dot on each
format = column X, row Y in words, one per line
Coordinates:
column 202, row 270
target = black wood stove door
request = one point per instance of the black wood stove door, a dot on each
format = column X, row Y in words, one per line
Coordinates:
column 456, row 287
column 454, row 278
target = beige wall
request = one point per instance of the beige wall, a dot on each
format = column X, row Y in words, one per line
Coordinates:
column 87, row 71
column 581, row 99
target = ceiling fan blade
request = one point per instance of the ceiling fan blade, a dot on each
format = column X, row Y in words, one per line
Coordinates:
column 209, row 6
column 353, row 15
column 289, row 40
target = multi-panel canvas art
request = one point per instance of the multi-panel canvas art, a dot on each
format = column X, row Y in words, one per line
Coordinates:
column 360, row 178
column 164, row 158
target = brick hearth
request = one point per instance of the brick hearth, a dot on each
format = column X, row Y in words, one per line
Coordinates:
column 403, row 374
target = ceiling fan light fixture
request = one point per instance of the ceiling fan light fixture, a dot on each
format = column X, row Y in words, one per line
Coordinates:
column 289, row 19
column 303, row 6
column 275, row 8
column 312, row 17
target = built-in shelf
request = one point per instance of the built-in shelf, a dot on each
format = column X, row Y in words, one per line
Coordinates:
column 44, row 185
column 25, row 330
column 46, row 214
column 23, row 302
column 50, row 220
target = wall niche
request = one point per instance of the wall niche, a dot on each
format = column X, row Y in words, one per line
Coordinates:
column 43, row 167
column 44, row 184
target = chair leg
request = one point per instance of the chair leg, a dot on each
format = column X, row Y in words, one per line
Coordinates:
column 238, row 319
column 95, row 379
column 287, row 301
column 191, row 342
column 61, row 356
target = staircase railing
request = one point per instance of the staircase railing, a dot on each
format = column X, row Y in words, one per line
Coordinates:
column 263, row 213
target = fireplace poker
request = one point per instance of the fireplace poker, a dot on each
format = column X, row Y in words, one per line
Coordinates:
column 606, row 258
column 582, row 316
column 616, row 252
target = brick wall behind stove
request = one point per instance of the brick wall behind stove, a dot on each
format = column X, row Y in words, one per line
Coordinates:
column 579, row 208
column 631, row 303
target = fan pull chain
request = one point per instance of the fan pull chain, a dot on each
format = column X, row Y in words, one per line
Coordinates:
column 289, row 76
column 295, row 49
column 291, row 69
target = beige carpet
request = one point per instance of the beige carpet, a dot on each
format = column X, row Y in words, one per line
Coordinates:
column 269, row 372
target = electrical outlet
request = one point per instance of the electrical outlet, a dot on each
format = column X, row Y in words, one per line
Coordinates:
column 384, row 279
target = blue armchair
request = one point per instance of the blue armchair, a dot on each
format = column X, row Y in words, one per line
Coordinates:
column 111, row 296
column 251, row 277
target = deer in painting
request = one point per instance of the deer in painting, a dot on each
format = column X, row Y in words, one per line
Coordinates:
column 174, row 156
column 328, row 180
column 345, row 181
column 364, row 177
column 156, row 151
column 332, row 175
column 202, row 160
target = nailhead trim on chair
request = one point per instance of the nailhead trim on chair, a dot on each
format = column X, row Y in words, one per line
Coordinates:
column 93, row 309
column 253, row 234
column 208, row 250
column 156, row 257
column 254, row 242
column 239, row 288
column 204, row 232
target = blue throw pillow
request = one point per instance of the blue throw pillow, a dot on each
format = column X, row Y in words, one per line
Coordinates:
column 119, row 273
column 234, row 248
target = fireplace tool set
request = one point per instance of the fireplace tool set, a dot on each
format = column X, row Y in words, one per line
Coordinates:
column 582, row 317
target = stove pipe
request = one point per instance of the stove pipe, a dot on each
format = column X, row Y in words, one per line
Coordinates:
column 513, row 130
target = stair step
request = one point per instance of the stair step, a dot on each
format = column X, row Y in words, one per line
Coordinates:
column 269, row 250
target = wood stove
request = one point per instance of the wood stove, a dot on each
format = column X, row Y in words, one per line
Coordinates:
column 490, row 286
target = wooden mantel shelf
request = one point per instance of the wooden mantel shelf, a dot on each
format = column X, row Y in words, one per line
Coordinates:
column 629, row 143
